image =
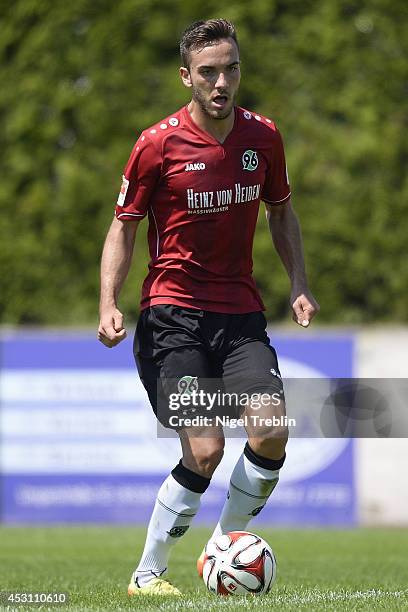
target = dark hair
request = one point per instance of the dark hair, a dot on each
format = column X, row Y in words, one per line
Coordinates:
column 203, row 33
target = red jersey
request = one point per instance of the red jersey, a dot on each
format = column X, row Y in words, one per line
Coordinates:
column 202, row 199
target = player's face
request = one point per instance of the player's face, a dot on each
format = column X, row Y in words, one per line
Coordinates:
column 214, row 76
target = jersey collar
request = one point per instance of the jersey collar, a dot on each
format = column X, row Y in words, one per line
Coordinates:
column 206, row 135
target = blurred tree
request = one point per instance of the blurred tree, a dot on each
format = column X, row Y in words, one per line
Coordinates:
column 80, row 80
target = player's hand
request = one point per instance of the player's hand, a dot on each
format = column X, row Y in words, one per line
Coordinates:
column 304, row 307
column 111, row 330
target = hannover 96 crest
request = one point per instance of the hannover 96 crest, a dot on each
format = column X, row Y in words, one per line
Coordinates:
column 250, row 160
column 187, row 385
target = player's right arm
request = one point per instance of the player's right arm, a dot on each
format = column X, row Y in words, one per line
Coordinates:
column 115, row 264
column 139, row 180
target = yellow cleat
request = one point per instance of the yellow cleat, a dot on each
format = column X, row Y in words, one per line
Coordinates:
column 200, row 563
column 156, row 586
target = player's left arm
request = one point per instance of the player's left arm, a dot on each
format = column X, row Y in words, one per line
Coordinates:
column 287, row 238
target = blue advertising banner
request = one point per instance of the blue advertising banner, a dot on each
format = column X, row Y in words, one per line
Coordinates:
column 79, row 440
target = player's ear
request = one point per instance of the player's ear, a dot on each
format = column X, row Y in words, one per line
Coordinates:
column 185, row 76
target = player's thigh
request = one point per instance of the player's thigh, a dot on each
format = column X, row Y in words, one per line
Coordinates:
column 172, row 383
column 252, row 366
column 251, row 372
column 170, row 358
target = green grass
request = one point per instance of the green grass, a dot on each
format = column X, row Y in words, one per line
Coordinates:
column 364, row 569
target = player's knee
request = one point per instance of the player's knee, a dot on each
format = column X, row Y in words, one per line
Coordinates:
column 280, row 433
column 208, row 458
column 278, row 436
column 271, row 441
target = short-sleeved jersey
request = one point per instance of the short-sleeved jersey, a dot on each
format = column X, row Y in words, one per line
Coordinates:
column 202, row 199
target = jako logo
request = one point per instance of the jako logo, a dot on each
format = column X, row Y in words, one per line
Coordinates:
column 198, row 166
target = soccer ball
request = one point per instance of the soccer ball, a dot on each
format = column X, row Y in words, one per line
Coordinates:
column 239, row 563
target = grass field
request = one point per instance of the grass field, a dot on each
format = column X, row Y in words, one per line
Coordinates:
column 317, row 570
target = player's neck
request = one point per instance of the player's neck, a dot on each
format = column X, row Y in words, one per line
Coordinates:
column 218, row 128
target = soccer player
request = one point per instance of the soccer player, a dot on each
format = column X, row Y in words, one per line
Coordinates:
column 199, row 175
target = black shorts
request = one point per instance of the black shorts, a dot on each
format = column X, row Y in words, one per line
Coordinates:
column 175, row 347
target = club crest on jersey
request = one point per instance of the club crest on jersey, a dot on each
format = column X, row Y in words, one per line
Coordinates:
column 196, row 166
column 250, row 160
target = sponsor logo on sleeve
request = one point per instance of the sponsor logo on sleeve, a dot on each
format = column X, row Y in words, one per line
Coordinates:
column 123, row 191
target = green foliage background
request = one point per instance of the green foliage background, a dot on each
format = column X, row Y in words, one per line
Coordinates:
column 79, row 80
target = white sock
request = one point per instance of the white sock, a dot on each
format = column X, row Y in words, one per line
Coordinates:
column 173, row 512
column 249, row 490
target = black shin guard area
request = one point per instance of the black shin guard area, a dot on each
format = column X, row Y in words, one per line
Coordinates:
column 263, row 462
column 190, row 480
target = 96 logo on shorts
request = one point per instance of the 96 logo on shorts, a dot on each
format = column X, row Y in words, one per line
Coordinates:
column 250, row 160
column 187, row 385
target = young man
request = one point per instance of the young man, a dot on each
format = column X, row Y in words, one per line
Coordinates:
column 199, row 175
